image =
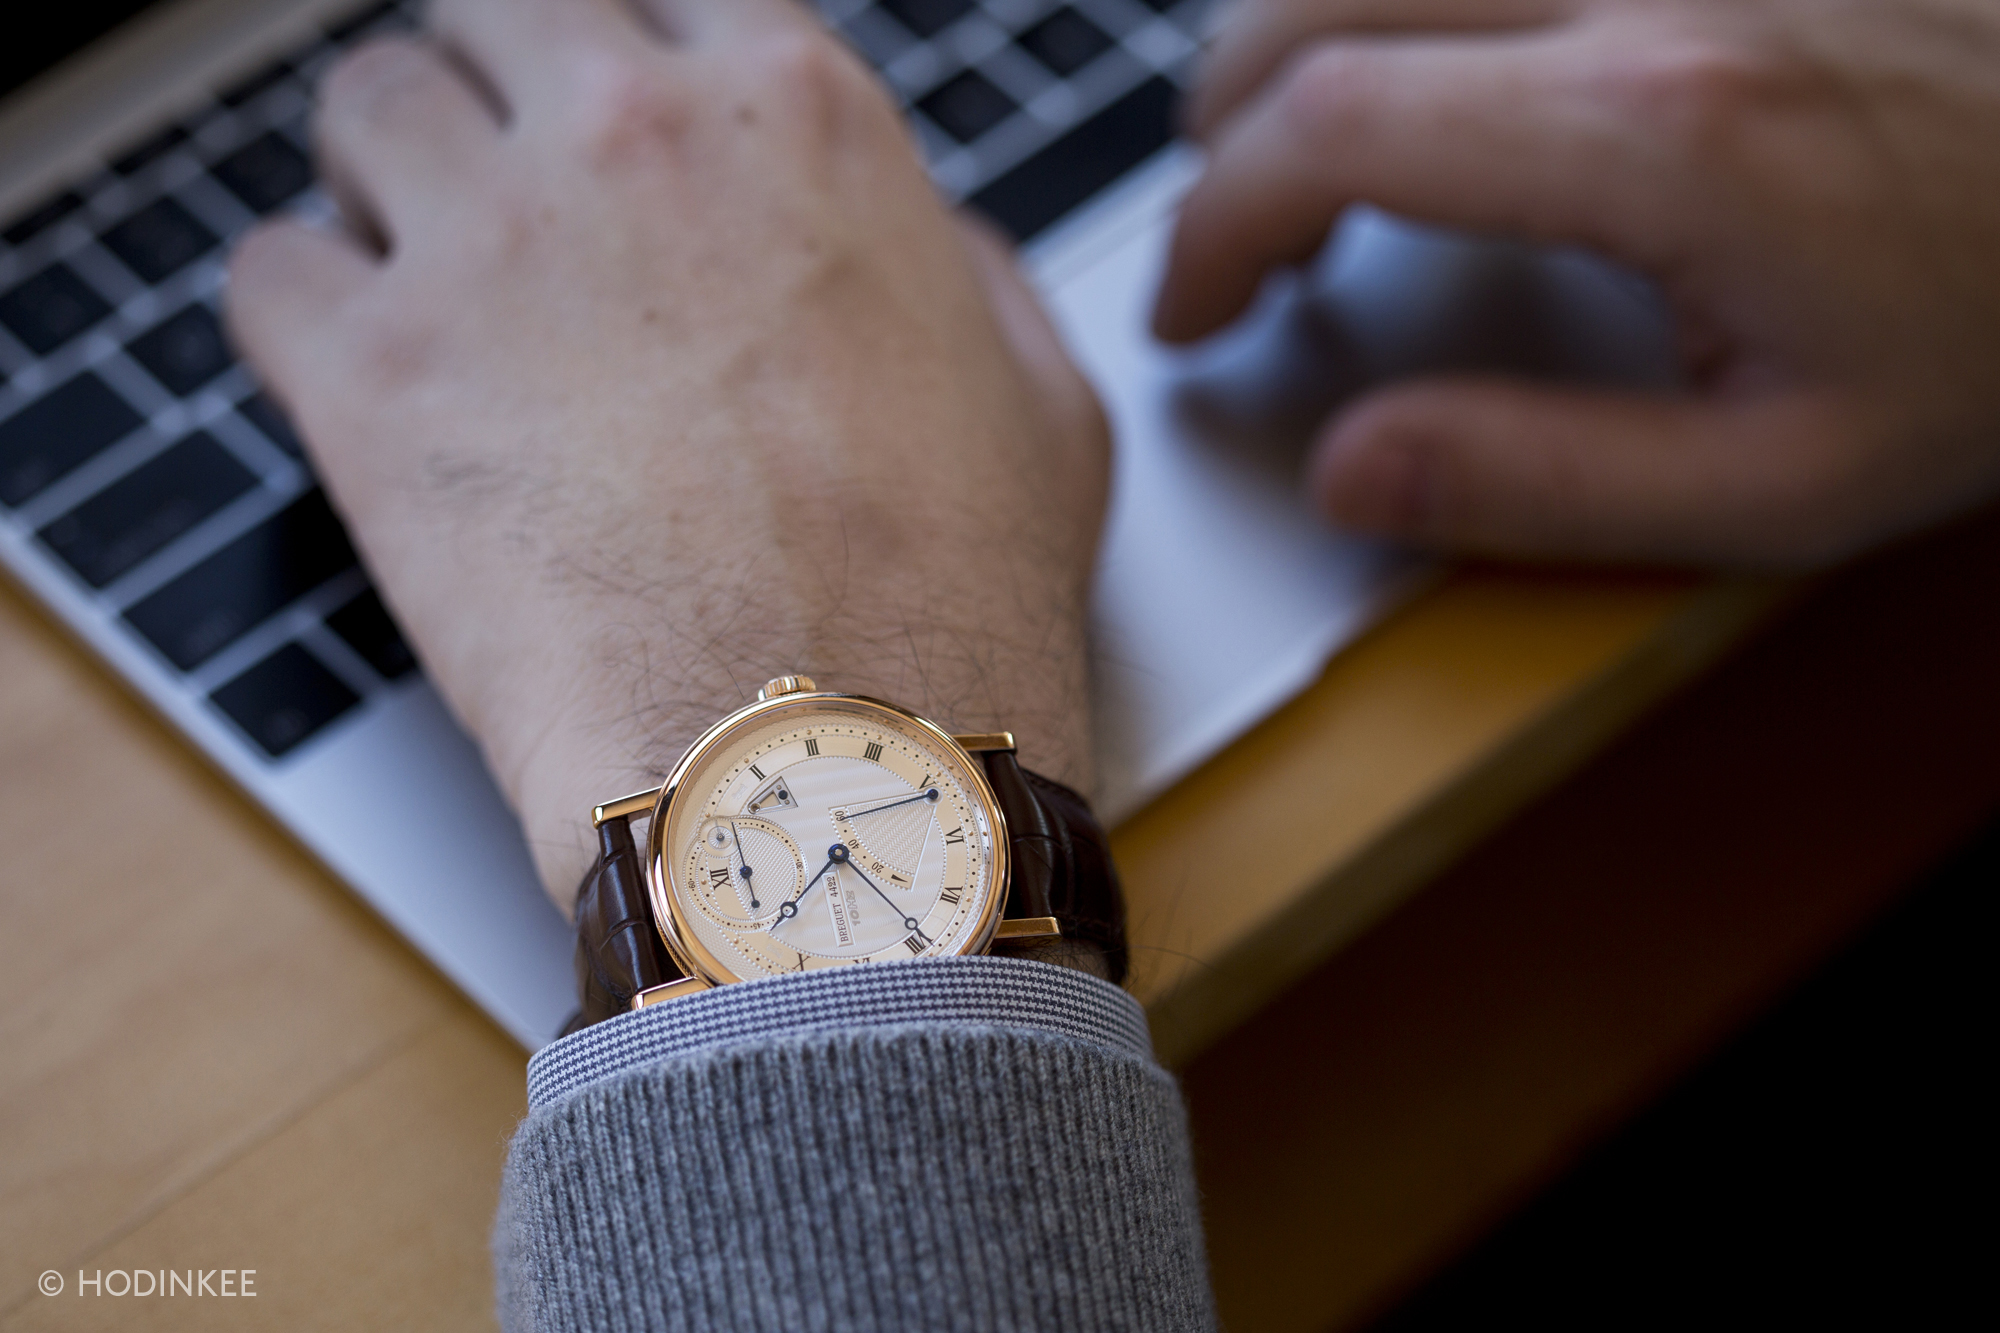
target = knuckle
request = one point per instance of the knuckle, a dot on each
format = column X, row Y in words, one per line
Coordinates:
column 1702, row 96
column 257, row 252
column 387, row 355
column 811, row 68
column 374, row 82
column 817, row 91
column 624, row 107
column 509, row 229
column 1329, row 93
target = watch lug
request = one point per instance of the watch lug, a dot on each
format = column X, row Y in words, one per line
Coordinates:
column 1020, row 929
column 672, row 990
column 638, row 803
column 986, row 740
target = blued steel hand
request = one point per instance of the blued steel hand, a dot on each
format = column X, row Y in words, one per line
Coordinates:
column 788, row 910
column 930, row 795
column 909, row 922
column 744, row 868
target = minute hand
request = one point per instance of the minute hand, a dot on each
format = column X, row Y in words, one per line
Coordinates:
column 909, row 922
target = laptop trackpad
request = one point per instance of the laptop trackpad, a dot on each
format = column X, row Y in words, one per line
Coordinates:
column 1220, row 594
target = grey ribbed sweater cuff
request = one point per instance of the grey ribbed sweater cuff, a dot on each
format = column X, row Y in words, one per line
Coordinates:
column 926, row 1174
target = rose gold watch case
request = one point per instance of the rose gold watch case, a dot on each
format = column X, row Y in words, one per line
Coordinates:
column 687, row 950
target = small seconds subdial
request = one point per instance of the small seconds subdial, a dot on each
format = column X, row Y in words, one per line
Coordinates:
column 744, row 869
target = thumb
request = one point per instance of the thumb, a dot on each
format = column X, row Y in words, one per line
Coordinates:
column 1505, row 468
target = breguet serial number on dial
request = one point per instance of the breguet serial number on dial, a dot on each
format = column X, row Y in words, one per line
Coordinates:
column 827, row 836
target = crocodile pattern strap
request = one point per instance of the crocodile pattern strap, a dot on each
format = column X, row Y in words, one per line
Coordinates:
column 1060, row 859
column 618, row 950
column 1060, row 866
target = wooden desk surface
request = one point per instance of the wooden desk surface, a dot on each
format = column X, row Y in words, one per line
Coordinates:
column 212, row 1057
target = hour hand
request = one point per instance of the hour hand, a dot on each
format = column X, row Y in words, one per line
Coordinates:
column 788, row 910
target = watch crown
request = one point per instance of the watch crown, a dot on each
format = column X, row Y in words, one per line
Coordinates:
column 786, row 685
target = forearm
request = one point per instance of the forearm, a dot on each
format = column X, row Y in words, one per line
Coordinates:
column 965, row 1143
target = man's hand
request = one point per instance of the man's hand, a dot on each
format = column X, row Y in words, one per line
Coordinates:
column 1816, row 186
column 652, row 368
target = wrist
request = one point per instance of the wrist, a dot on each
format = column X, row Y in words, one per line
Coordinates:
column 1076, row 955
column 628, row 733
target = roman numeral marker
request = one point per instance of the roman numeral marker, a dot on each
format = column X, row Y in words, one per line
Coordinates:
column 718, row 876
column 812, row 745
column 758, row 772
column 951, row 895
column 918, row 942
column 956, row 835
column 873, row 752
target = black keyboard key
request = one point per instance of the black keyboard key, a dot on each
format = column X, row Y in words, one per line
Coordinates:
column 58, row 432
column 284, row 699
column 365, row 624
column 265, row 570
column 1065, row 41
column 147, row 508
column 38, row 220
column 1027, row 199
column 262, row 413
column 347, row 29
column 50, row 308
column 925, row 17
column 184, row 352
column 142, row 155
column 242, row 91
column 159, row 240
column 264, row 173
column 967, row 105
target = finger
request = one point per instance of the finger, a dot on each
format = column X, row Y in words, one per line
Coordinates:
column 287, row 281
column 1498, row 134
column 397, row 132
column 1032, row 338
column 1260, row 35
column 700, row 22
column 519, row 46
column 1512, row 469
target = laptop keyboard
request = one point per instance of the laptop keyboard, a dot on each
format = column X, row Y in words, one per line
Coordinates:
column 172, row 493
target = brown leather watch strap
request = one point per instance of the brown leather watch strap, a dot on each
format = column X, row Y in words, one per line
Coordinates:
column 1060, row 866
column 618, row 949
column 1060, row 859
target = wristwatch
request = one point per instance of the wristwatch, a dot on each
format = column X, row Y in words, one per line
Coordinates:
column 812, row 829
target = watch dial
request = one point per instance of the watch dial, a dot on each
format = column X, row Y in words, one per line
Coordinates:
column 826, row 832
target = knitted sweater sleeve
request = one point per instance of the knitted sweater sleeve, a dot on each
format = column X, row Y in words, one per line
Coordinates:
column 962, row 1143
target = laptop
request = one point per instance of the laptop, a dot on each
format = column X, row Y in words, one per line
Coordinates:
column 158, row 503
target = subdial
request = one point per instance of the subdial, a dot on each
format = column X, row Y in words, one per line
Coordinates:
column 741, row 869
column 887, row 838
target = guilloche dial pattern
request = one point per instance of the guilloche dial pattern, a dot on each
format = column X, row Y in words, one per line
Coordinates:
column 827, row 837
column 752, row 866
